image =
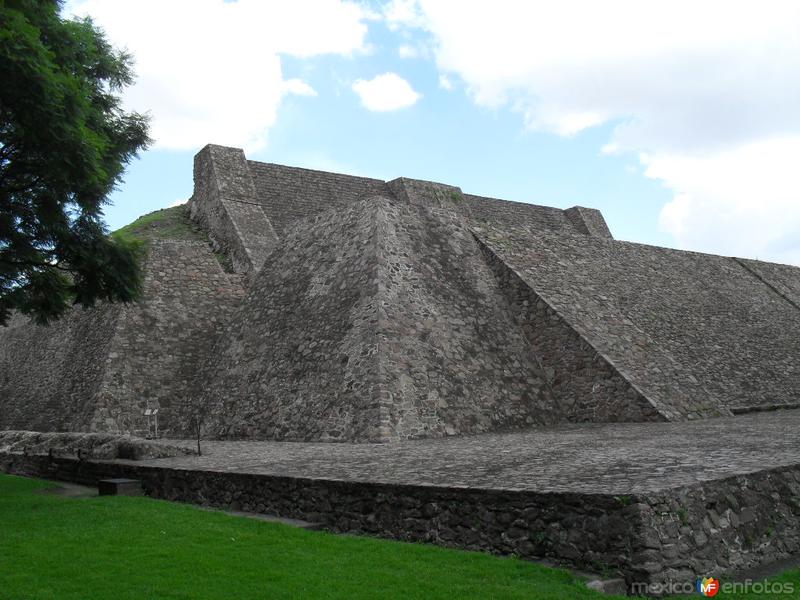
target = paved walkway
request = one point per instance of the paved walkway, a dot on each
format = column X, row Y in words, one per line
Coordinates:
column 594, row 458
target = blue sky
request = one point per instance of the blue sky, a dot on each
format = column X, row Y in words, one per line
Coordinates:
column 683, row 129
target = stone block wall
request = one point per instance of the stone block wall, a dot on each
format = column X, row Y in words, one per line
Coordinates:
column 698, row 335
column 452, row 360
column 50, row 375
column 583, row 384
column 245, row 205
column 578, row 296
column 686, row 332
column 299, row 358
column 722, row 527
column 504, row 213
column 429, row 194
column 97, row 369
column 289, row 194
column 226, row 204
column 589, row 221
column 783, row 279
column 385, row 322
column 155, row 355
column 407, row 309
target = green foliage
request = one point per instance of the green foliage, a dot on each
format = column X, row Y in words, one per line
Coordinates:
column 64, row 143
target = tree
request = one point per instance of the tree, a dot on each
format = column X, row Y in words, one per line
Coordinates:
column 64, row 144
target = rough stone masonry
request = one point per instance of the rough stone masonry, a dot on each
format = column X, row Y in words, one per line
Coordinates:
column 364, row 311
column 320, row 307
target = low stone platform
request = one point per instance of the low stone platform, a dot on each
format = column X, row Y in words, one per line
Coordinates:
column 624, row 458
column 656, row 502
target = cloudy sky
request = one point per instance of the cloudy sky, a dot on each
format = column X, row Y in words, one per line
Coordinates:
column 679, row 120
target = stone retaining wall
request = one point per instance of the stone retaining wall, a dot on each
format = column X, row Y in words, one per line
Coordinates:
column 718, row 528
column 715, row 528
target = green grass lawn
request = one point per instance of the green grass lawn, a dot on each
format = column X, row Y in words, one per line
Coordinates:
column 118, row 548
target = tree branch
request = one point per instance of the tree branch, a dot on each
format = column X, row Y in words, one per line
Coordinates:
column 30, row 263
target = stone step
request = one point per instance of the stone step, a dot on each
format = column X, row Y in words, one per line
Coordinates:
column 119, row 487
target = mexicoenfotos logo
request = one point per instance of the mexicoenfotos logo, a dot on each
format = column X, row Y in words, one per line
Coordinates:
column 708, row 586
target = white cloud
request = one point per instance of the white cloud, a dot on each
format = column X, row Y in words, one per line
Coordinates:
column 707, row 92
column 210, row 71
column 407, row 51
column 414, row 50
column 177, row 202
column 740, row 201
column 445, row 83
column 385, row 92
column 403, row 13
column 298, row 87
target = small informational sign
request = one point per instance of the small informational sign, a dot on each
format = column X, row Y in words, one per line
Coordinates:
column 152, row 421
